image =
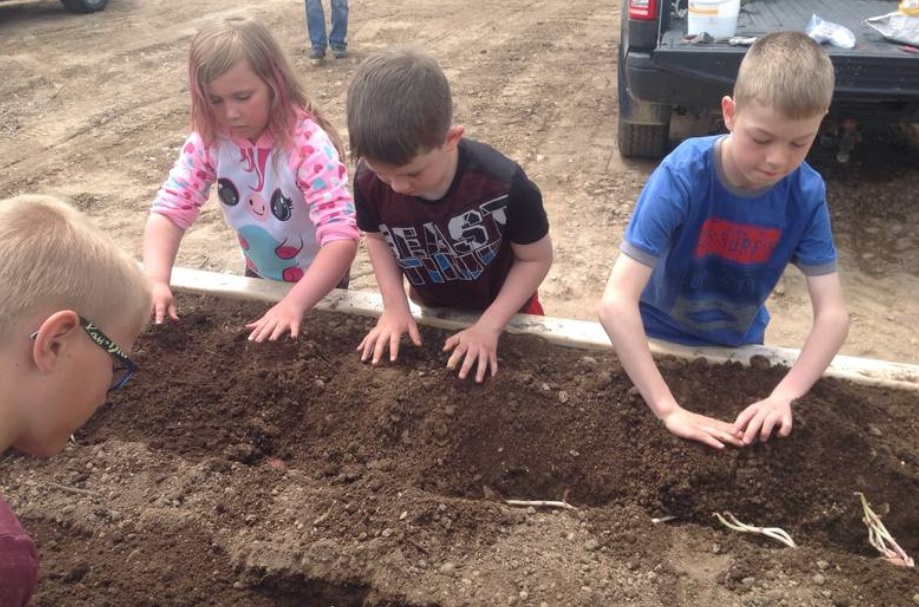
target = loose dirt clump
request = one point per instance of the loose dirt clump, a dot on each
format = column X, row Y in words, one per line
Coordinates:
column 233, row 473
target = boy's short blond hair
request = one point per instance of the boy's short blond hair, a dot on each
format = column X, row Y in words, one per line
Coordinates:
column 399, row 106
column 787, row 72
column 53, row 258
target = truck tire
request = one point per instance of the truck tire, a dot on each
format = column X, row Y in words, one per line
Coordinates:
column 644, row 128
column 82, row 7
column 643, row 140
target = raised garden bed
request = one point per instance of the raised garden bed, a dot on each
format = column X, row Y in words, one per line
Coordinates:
column 232, row 473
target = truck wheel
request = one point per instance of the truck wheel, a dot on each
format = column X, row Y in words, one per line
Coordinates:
column 643, row 140
column 82, row 7
column 644, row 128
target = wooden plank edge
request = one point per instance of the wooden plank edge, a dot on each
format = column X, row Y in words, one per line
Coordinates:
column 561, row 331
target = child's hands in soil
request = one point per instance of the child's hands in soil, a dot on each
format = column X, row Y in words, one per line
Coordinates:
column 163, row 302
column 388, row 333
column 763, row 417
column 701, row 428
column 470, row 345
column 282, row 317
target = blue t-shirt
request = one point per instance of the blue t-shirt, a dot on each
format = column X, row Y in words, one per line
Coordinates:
column 717, row 252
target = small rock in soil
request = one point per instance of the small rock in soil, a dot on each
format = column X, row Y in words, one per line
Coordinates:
column 589, row 363
column 759, row 362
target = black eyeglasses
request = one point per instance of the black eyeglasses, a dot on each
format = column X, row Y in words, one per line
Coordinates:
column 123, row 368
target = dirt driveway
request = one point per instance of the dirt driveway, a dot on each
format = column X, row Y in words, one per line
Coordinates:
column 213, row 501
column 94, row 108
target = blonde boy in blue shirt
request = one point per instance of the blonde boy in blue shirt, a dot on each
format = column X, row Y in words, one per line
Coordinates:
column 713, row 230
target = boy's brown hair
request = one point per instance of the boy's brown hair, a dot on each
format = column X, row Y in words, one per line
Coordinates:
column 787, row 72
column 399, row 106
column 54, row 258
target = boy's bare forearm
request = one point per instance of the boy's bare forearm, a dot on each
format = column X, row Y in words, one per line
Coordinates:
column 624, row 327
column 621, row 318
column 522, row 282
column 829, row 331
column 531, row 265
column 387, row 273
column 826, row 337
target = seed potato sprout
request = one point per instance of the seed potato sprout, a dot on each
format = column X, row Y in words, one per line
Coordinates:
column 731, row 522
column 540, row 503
column 880, row 538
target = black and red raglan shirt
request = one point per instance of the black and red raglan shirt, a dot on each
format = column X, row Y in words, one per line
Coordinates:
column 456, row 251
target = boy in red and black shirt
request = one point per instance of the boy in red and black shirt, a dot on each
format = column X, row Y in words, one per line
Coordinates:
column 457, row 218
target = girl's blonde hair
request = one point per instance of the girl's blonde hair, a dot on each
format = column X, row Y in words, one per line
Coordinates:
column 54, row 259
column 218, row 47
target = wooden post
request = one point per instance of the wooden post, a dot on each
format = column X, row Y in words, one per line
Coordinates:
column 561, row 331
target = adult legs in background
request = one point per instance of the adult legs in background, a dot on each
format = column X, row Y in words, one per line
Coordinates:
column 315, row 26
column 338, row 36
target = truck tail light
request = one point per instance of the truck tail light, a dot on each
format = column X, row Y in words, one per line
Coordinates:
column 643, row 9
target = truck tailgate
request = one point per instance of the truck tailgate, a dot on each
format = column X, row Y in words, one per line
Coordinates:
column 875, row 68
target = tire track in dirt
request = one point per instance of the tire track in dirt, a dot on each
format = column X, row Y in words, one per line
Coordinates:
column 128, row 38
column 81, row 123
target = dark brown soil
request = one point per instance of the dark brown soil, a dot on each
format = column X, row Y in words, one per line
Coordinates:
column 232, row 473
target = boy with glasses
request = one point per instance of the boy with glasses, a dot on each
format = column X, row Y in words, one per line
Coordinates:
column 63, row 282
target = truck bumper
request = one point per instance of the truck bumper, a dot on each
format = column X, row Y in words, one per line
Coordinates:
column 694, row 85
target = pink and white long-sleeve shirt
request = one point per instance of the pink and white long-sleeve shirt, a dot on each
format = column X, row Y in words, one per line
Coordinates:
column 284, row 205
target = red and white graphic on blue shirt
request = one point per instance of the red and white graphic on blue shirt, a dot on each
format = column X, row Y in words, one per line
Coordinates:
column 737, row 242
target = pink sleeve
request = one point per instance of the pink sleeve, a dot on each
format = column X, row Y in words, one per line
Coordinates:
column 188, row 185
column 323, row 179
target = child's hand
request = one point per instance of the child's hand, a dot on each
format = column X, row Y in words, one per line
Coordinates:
column 163, row 302
column 471, row 345
column 388, row 333
column 763, row 417
column 707, row 430
column 284, row 316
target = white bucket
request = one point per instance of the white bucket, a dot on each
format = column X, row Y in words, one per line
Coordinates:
column 718, row 18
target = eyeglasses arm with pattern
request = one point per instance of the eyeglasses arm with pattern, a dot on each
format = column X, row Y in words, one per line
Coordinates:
column 123, row 368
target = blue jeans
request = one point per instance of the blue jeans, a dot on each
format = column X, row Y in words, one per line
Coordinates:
column 315, row 25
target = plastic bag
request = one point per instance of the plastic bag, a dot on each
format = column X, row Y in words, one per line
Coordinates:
column 825, row 31
column 897, row 27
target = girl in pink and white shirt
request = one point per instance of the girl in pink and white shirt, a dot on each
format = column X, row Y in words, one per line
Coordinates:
column 280, row 179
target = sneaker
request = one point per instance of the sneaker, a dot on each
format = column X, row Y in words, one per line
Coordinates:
column 339, row 52
column 316, row 56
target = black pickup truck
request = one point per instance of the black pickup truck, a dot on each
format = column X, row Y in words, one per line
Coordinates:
column 83, row 7
column 661, row 73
